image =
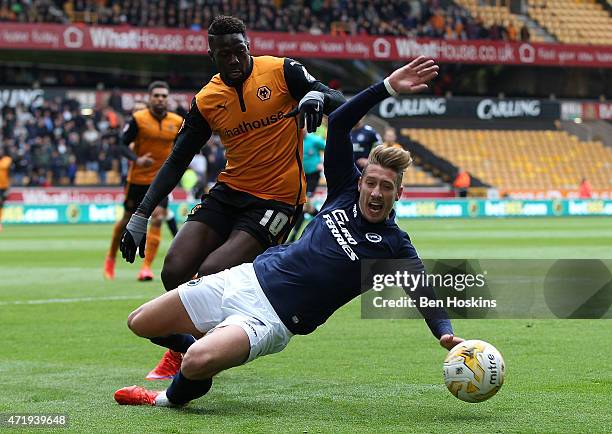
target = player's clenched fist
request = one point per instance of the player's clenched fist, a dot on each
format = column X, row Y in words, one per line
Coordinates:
column 134, row 237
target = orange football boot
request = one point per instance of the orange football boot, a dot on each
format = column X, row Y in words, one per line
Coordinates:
column 167, row 367
column 145, row 274
column 109, row 268
column 135, row 395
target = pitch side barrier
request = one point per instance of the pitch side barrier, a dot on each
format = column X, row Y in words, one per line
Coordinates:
column 73, row 213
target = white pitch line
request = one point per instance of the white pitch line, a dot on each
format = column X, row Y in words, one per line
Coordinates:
column 74, row 300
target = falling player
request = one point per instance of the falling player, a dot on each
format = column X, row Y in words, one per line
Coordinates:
column 254, row 309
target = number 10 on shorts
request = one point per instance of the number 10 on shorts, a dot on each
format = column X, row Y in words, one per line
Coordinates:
column 275, row 221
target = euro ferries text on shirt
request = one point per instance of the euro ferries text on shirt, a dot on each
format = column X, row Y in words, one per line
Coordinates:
column 343, row 237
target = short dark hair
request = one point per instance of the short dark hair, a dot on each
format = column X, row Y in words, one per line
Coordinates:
column 226, row 25
column 158, row 84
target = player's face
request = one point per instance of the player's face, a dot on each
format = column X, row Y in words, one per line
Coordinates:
column 377, row 193
column 158, row 99
column 231, row 56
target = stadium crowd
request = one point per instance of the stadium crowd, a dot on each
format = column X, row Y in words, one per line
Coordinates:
column 50, row 144
column 423, row 18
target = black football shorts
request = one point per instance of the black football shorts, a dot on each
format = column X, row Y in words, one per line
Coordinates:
column 134, row 194
column 225, row 209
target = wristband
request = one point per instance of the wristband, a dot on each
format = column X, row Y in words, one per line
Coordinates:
column 389, row 88
column 137, row 223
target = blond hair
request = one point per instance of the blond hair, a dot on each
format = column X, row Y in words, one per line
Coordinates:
column 396, row 159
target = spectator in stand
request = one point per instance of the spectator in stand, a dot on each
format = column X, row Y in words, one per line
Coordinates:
column 437, row 24
column 57, row 167
column 105, row 165
column 585, row 191
column 462, row 182
column 72, row 169
column 512, row 32
column 390, row 138
column 48, row 139
column 215, row 154
column 349, row 17
column 525, row 35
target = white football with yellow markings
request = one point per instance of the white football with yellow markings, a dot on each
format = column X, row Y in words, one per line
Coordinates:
column 474, row 371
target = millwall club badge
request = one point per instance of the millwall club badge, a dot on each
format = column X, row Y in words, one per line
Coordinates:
column 373, row 238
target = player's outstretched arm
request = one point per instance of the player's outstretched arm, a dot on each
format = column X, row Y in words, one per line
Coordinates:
column 410, row 78
column 194, row 133
column 418, row 290
column 413, row 77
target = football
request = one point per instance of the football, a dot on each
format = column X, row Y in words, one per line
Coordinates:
column 474, row 371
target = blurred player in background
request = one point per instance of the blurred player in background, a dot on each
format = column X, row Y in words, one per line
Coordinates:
column 152, row 131
column 5, row 181
column 255, row 200
column 170, row 217
column 314, row 144
column 364, row 138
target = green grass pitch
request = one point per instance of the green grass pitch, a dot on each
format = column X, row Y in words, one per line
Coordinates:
column 69, row 350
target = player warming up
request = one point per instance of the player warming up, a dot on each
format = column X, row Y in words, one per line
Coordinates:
column 254, row 309
column 152, row 130
column 252, row 206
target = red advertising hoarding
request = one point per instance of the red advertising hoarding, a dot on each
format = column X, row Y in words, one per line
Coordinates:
column 81, row 37
column 76, row 195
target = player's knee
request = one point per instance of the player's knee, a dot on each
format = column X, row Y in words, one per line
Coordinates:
column 142, row 324
column 135, row 322
column 198, row 364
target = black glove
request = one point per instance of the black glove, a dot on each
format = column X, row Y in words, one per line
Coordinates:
column 134, row 236
column 310, row 109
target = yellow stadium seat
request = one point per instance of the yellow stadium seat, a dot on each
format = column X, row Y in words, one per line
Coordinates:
column 509, row 160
